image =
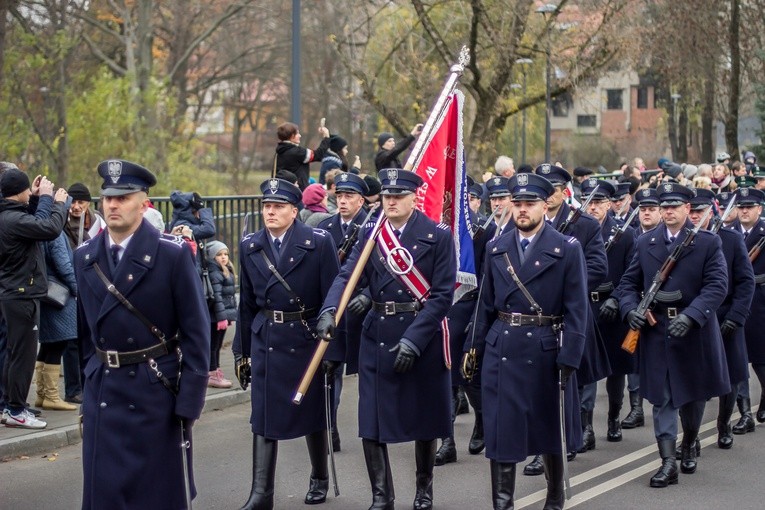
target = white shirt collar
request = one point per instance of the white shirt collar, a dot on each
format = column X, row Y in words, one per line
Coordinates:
column 123, row 244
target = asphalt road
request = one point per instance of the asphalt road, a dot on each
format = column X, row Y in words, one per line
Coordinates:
column 614, row 476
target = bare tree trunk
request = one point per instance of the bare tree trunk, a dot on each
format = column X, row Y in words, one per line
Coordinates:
column 707, row 121
column 5, row 6
column 682, row 125
column 734, row 89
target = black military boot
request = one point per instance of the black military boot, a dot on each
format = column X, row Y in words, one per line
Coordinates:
column 263, row 470
column 746, row 422
column 761, row 410
column 556, row 497
column 477, row 444
column 667, row 474
column 425, row 457
column 635, row 418
column 697, row 447
column 688, row 448
column 535, row 467
column 502, row 485
column 460, row 402
column 588, row 433
column 724, row 431
column 447, row 453
column 614, row 434
column 319, row 482
column 380, row 477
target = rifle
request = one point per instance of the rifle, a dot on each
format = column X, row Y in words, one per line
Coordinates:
column 621, row 230
column 719, row 221
column 482, row 228
column 575, row 214
column 756, row 249
column 350, row 238
column 644, row 307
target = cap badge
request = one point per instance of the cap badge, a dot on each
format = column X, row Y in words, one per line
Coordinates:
column 498, row 181
column 273, row 186
column 667, row 188
column 744, row 192
column 592, row 182
column 545, row 169
column 392, row 176
column 523, row 179
column 344, row 177
column 646, row 192
column 724, row 195
column 115, row 171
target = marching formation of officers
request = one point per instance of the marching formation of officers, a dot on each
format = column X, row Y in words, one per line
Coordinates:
column 566, row 296
column 528, row 342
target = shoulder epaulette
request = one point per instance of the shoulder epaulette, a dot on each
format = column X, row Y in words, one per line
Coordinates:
column 370, row 224
column 245, row 238
column 320, row 231
column 85, row 243
column 178, row 240
column 572, row 240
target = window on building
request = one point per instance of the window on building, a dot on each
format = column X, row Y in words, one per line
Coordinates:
column 642, row 98
column 561, row 105
column 614, row 99
column 586, row 121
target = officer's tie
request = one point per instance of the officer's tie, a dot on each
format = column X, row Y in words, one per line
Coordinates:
column 115, row 249
column 277, row 245
column 671, row 239
column 746, row 234
column 397, row 232
column 525, row 244
column 344, row 227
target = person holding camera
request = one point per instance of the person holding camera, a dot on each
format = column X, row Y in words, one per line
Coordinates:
column 28, row 214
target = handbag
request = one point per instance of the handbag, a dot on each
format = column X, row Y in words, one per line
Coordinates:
column 58, row 294
column 207, row 287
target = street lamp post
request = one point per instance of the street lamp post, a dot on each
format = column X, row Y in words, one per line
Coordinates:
column 675, row 123
column 523, row 62
column 295, row 113
column 516, row 86
column 544, row 10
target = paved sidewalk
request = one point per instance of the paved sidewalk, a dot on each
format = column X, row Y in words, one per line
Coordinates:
column 63, row 428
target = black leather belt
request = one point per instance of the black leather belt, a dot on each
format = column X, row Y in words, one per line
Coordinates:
column 392, row 308
column 599, row 296
column 670, row 312
column 115, row 359
column 518, row 319
column 280, row 317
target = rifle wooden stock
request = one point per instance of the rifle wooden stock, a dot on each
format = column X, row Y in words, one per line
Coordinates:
column 630, row 341
column 318, row 354
column 756, row 249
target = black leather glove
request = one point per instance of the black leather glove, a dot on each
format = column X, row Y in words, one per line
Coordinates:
column 565, row 374
column 609, row 310
column 680, row 326
column 242, row 369
column 635, row 320
column 325, row 326
column 330, row 367
column 404, row 359
column 728, row 327
column 359, row 305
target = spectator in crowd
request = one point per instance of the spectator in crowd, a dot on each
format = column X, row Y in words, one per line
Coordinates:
column 373, row 195
column 223, row 310
column 334, row 158
column 4, row 166
column 189, row 210
column 330, row 185
column 580, row 174
column 721, row 178
column 701, row 182
column 81, row 212
column 689, row 171
column 705, row 170
column 315, row 201
column 156, row 219
column 504, row 166
column 290, row 155
column 58, row 330
column 28, row 214
column 390, row 150
column 750, row 161
column 738, row 169
column 639, row 164
column 723, row 157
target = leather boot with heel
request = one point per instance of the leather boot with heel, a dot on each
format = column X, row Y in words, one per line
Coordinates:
column 502, row 485
column 746, row 422
column 52, row 400
column 425, row 457
column 724, row 431
column 636, row 417
column 263, row 471
column 380, row 477
column 588, row 433
column 556, row 496
column 318, row 484
column 447, row 453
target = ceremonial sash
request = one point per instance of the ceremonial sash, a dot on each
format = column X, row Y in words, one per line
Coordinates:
column 400, row 263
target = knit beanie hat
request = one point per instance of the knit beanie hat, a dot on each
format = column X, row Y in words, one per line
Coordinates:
column 313, row 195
column 78, row 191
column 373, row 184
column 336, row 143
column 13, row 182
column 383, row 137
column 212, row 248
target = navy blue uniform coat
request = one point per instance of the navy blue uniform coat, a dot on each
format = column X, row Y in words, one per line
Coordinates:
column 280, row 352
column 350, row 328
column 753, row 331
column 737, row 302
column 416, row 405
column 695, row 364
column 519, row 381
column 613, row 333
column 586, row 230
column 131, row 434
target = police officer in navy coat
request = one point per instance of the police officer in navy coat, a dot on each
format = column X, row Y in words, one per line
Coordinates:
column 343, row 227
column 605, row 306
column 520, row 346
column 749, row 204
column 132, row 417
column 275, row 330
column 594, row 365
column 403, row 378
column 681, row 358
column 733, row 313
column 499, row 200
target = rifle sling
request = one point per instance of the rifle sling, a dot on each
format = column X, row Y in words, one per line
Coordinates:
column 519, row 283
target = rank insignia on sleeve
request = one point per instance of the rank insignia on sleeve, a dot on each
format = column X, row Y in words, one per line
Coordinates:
column 147, row 258
column 557, row 250
column 308, row 242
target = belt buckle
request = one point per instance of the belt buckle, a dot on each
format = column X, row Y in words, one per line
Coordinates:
column 595, row 296
column 112, row 359
column 278, row 317
column 390, row 308
column 671, row 313
column 515, row 319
